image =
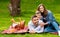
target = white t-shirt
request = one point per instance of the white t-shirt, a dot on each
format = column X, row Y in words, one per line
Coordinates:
column 37, row 29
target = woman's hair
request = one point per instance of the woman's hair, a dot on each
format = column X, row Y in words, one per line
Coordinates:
column 45, row 10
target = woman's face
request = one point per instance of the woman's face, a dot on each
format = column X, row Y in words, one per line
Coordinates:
column 41, row 9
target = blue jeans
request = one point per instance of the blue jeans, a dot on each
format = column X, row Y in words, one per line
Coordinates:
column 49, row 28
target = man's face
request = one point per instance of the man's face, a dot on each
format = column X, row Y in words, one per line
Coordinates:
column 35, row 20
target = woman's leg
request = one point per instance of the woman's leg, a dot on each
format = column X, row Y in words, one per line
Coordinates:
column 55, row 25
column 48, row 29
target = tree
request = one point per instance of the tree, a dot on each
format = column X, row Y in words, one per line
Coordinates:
column 14, row 7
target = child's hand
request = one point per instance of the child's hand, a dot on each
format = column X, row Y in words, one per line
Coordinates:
column 42, row 24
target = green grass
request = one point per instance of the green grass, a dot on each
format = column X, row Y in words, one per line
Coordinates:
column 28, row 8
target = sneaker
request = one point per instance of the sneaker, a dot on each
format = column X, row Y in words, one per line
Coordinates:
column 59, row 33
column 56, row 33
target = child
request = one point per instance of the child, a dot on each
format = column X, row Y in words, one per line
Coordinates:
column 35, row 26
column 38, row 14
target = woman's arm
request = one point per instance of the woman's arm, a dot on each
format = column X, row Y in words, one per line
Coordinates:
column 50, row 17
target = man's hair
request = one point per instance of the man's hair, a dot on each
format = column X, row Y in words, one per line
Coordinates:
column 34, row 16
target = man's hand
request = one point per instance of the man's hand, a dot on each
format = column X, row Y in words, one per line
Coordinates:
column 32, row 31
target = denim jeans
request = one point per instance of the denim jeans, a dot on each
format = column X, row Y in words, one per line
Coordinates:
column 52, row 25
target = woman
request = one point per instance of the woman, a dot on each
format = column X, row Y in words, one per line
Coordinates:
column 49, row 21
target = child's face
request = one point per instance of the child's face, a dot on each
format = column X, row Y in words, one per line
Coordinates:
column 39, row 16
column 35, row 20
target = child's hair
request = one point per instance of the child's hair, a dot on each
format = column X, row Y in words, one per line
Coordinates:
column 34, row 16
column 37, row 12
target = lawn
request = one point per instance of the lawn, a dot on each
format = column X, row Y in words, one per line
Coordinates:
column 28, row 8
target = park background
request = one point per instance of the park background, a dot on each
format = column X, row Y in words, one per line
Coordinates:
column 28, row 8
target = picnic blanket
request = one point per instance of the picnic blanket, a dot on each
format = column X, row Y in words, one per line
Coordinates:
column 10, row 31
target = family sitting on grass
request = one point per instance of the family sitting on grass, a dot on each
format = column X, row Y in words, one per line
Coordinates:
column 42, row 21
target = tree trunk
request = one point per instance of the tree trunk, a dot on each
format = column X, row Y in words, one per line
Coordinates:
column 14, row 7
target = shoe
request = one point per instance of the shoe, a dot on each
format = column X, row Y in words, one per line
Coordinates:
column 56, row 33
column 59, row 33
